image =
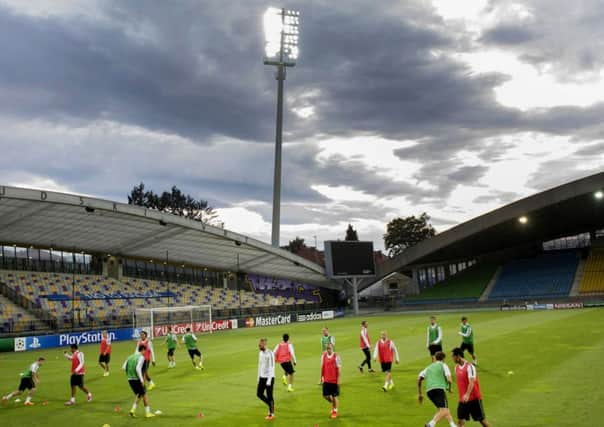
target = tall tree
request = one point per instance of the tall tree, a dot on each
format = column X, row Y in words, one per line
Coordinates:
column 174, row 202
column 295, row 245
column 402, row 233
column 137, row 195
column 351, row 234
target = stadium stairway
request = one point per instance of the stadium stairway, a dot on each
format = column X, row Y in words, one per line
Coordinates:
column 487, row 291
column 574, row 290
column 14, row 318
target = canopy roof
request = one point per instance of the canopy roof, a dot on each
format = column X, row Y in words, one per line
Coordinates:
column 567, row 210
column 46, row 219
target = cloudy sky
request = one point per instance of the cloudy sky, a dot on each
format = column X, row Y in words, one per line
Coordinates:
column 395, row 108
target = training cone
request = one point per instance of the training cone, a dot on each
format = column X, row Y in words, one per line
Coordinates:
column 200, row 415
column 117, row 408
column 45, row 403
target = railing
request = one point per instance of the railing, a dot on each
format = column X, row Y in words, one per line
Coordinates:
column 48, row 266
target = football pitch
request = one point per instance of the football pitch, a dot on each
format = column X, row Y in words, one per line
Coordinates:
column 541, row 368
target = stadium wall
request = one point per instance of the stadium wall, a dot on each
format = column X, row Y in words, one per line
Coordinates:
column 31, row 343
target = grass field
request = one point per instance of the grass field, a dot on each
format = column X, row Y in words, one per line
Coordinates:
column 556, row 357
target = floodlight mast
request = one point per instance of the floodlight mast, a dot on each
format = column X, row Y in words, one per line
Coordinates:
column 287, row 27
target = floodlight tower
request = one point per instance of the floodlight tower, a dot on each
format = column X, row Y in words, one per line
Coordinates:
column 281, row 29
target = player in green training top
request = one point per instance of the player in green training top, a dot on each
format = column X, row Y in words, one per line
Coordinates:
column 29, row 381
column 171, row 343
column 467, row 338
column 438, row 379
column 190, row 341
column 134, row 371
column 326, row 338
column 434, row 337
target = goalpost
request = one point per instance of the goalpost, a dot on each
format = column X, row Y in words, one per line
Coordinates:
column 196, row 317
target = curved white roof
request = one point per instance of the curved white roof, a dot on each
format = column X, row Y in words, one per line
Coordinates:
column 47, row 219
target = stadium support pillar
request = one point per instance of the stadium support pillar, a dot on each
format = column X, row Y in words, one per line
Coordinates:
column 415, row 278
column 354, row 283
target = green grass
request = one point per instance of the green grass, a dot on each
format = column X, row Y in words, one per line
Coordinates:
column 469, row 283
column 556, row 357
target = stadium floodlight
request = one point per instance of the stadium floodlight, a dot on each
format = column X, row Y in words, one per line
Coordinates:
column 281, row 31
column 599, row 195
column 523, row 220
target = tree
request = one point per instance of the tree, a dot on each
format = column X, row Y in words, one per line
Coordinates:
column 174, row 202
column 402, row 233
column 295, row 245
column 351, row 234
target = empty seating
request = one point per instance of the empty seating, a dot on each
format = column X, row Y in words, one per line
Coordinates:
column 547, row 275
column 466, row 285
column 592, row 282
column 95, row 296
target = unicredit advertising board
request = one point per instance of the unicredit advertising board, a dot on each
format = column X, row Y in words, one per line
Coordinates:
column 196, row 327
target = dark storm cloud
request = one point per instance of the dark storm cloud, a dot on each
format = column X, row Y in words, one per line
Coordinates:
column 188, row 78
column 194, row 69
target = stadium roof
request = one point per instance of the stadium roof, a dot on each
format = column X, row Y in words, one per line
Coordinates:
column 567, row 210
column 46, row 219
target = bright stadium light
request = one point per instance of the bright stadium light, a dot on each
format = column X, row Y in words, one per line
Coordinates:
column 281, row 32
column 599, row 195
column 523, row 220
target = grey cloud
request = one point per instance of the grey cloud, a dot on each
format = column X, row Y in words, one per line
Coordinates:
column 194, row 69
column 499, row 197
column 468, row 173
column 508, row 34
column 182, row 83
column 595, row 149
column 566, row 35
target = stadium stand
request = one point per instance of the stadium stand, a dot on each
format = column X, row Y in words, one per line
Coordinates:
column 16, row 319
column 546, row 275
column 466, row 286
column 104, row 301
column 592, row 282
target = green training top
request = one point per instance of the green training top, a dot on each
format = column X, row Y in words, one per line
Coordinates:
column 30, row 371
column 171, row 341
column 131, row 365
column 190, row 341
column 464, row 330
column 326, row 340
column 435, row 376
column 433, row 333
